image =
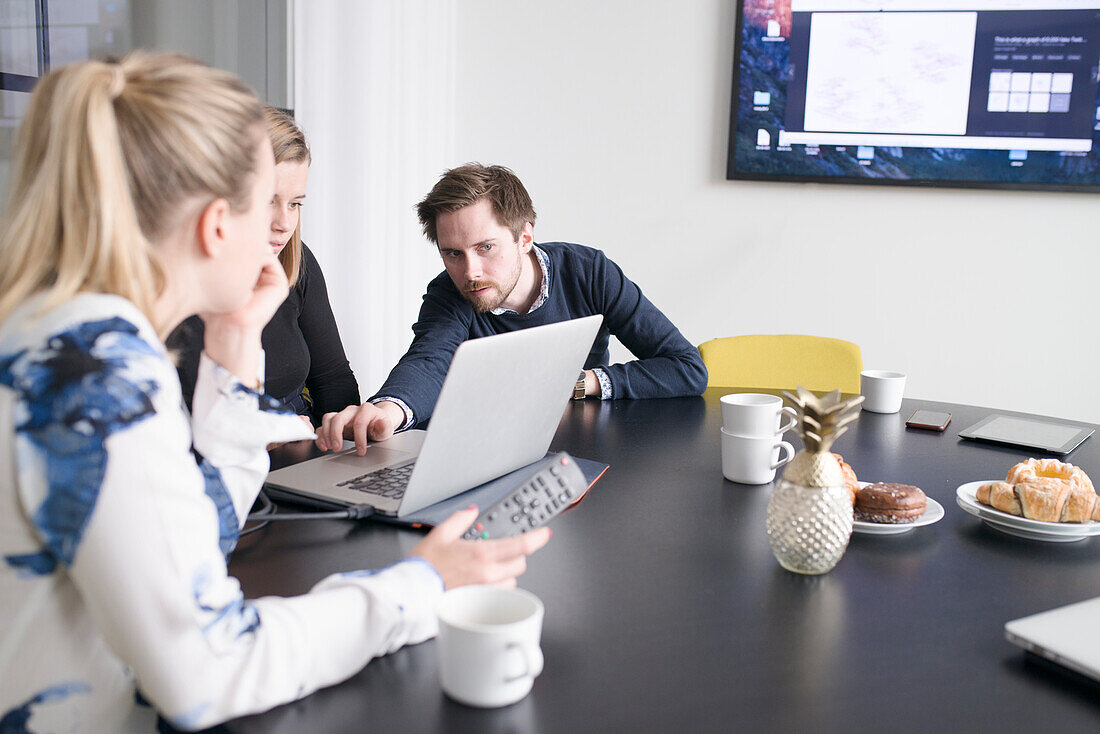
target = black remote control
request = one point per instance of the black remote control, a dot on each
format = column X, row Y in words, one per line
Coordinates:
column 554, row 484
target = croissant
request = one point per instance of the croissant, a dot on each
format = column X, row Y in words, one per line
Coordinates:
column 1037, row 468
column 1043, row 498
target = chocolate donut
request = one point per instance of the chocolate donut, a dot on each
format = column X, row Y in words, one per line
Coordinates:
column 889, row 503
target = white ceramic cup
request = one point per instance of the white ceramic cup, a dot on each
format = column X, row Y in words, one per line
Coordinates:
column 882, row 390
column 755, row 414
column 488, row 644
column 753, row 459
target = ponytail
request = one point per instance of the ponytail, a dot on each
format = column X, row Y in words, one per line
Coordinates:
column 109, row 158
column 71, row 224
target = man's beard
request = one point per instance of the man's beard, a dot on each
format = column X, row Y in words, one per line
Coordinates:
column 486, row 302
column 497, row 293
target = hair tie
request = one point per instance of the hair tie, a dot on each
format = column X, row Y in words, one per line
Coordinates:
column 118, row 81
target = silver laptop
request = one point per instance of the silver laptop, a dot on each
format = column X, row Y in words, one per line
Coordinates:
column 1066, row 635
column 498, row 410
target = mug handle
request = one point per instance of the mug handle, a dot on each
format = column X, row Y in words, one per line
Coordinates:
column 532, row 658
column 784, row 459
column 790, row 424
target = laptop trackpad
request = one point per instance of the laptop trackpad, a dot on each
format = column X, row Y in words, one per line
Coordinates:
column 375, row 458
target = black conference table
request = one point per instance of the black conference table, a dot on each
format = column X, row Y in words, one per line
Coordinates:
column 666, row 611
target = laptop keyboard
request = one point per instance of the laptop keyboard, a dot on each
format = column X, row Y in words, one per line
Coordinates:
column 387, row 482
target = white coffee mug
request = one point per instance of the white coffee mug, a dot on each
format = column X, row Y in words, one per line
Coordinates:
column 488, row 644
column 755, row 414
column 882, row 390
column 753, row 459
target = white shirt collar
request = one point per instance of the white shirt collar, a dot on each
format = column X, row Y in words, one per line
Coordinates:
column 544, row 287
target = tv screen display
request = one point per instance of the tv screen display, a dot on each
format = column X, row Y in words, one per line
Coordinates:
column 991, row 93
column 24, row 50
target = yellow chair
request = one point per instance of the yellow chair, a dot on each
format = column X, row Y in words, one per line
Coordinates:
column 782, row 362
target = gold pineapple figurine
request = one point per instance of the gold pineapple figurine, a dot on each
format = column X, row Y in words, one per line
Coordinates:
column 810, row 512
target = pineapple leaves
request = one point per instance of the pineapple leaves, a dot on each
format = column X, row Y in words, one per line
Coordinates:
column 821, row 420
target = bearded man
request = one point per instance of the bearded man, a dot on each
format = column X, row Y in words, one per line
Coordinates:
column 497, row 279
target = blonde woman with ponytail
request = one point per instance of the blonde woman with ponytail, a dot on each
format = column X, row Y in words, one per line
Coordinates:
column 139, row 197
column 306, row 368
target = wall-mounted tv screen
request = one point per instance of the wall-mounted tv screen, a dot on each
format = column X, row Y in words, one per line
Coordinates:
column 990, row 93
column 25, row 54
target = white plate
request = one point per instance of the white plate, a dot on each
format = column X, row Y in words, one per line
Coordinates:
column 933, row 512
column 1050, row 532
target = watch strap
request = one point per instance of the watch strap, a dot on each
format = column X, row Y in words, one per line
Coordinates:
column 578, row 389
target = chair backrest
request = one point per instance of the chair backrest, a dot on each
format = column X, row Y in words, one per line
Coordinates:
column 782, row 362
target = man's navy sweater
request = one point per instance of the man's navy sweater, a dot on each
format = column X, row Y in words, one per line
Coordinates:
column 582, row 282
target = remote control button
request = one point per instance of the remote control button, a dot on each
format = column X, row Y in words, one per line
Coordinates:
column 529, row 505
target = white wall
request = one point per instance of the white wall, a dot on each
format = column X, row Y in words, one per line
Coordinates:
column 373, row 90
column 615, row 114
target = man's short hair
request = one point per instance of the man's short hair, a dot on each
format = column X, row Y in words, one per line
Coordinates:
column 460, row 187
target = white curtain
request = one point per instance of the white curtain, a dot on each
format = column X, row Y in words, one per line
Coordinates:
column 374, row 90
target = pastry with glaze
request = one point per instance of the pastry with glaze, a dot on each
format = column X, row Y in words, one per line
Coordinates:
column 886, row 502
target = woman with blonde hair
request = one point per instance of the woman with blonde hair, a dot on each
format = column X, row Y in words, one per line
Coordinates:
column 139, row 197
column 305, row 365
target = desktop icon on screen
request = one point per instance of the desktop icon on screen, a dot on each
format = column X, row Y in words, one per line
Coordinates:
column 773, row 29
column 763, row 99
column 763, row 138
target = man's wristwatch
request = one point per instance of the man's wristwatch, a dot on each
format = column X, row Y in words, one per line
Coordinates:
column 578, row 389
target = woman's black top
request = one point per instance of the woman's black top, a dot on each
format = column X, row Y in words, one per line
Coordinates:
column 302, row 348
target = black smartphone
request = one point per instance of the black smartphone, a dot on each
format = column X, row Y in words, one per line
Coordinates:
column 929, row 419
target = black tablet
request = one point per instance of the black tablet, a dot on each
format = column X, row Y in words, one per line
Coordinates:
column 1057, row 438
